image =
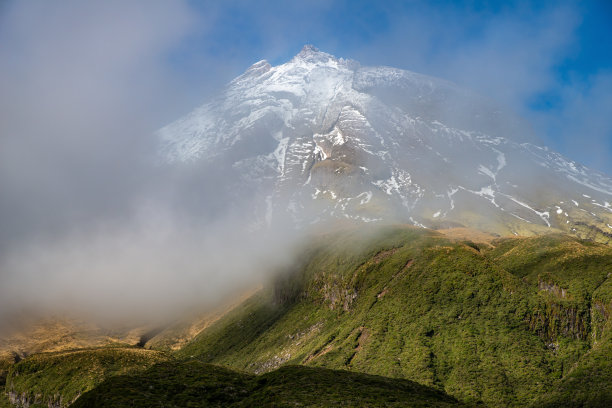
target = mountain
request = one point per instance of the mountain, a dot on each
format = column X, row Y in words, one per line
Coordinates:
column 377, row 312
column 321, row 137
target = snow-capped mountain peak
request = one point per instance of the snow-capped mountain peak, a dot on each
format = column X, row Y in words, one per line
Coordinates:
column 312, row 54
column 322, row 137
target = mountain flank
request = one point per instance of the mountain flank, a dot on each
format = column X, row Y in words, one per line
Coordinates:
column 500, row 324
column 322, row 138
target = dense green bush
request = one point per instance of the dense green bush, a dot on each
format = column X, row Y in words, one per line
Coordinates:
column 500, row 325
column 194, row 384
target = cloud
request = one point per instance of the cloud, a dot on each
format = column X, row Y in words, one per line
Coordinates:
column 150, row 270
column 581, row 120
column 89, row 219
column 81, row 85
column 506, row 54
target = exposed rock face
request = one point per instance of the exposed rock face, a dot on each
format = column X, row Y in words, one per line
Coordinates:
column 552, row 288
column 24, row 400
column 559, row 319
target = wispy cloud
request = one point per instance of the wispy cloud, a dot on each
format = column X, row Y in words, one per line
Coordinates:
column 581, row 120
column 81, row 85
column 89, row 220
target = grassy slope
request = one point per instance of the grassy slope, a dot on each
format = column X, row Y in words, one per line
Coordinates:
column 194, row 384
column 60, row 377
column 502, row 326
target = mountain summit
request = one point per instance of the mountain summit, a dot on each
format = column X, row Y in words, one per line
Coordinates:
column 321, row 137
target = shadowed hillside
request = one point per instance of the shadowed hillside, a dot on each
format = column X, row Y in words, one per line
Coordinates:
column 195, row 384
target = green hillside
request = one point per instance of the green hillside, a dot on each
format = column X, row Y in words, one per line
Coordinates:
column 501, row 325
column 393, row 317
column 57, row 379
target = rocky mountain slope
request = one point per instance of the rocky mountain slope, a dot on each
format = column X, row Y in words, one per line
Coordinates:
column 321, row 137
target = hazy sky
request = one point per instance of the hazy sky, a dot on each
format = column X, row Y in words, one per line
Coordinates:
column 84, row 84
